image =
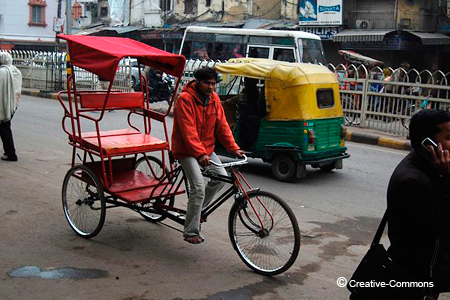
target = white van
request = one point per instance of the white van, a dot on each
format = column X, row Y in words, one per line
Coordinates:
column 220, row 44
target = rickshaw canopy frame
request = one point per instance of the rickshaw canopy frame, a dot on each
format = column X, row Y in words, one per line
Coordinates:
column 101, row 55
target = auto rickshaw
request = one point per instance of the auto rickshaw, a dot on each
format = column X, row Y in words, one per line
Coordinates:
column 302, row 122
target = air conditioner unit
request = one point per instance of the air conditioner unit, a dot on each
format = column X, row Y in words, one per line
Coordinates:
column 363, row 24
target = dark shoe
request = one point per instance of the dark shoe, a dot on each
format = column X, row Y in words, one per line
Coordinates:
column 9, row 157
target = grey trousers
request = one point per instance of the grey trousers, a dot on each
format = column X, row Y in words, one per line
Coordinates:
column 199, row 194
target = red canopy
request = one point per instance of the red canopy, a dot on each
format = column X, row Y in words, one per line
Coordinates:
column 101, row 55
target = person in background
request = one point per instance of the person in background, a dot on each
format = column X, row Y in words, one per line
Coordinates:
column 201, row 53
column 401, row 75
column 418, row 201
column 387, row 88
column 286, row 55
column 10, row 91
column 252, row 113
column 198, row 120
column 237, row 52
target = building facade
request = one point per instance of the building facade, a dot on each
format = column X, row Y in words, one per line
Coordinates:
column 394, row 31
column 27, row 25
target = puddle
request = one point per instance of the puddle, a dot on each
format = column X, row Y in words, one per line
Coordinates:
column 61, row 273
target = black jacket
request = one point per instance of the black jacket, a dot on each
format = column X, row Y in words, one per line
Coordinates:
column 419, row 220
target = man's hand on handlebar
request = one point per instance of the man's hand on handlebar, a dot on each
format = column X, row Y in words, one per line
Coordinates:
column 204, row 160
column 239, row 153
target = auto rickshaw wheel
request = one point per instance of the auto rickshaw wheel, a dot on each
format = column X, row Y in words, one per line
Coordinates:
column 284, row 167
column 329, row 167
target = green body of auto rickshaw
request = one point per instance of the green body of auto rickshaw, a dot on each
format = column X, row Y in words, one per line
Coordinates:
column 296, row 119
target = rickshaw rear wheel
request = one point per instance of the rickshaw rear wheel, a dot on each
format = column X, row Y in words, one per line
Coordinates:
column 328, row 168
column 155, row 169
column 83, row 201
column 268, row 249
column 284, row 167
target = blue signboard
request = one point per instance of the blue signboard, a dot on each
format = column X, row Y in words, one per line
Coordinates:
column 320, row 12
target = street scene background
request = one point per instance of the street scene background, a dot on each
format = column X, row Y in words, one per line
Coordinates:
column 338, row 213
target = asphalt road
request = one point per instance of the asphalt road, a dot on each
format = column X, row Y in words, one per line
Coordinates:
column 338, row 213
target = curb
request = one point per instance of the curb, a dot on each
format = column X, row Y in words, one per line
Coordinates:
column 41, row 94
column 382, row 141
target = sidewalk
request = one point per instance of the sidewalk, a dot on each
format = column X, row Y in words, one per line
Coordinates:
column 354, row 134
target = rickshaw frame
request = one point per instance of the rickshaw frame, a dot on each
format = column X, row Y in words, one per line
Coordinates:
column 88, row 187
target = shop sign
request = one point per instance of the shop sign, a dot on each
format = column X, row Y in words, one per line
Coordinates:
column 325, row 33
column 172, row 36
column 151, row 35
column 320, row 12
column 388, row 43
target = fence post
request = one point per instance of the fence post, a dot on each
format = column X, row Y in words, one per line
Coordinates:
column 31, row 55
column 364, row 102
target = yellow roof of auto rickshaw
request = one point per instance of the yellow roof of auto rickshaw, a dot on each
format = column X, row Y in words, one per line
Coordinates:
column 287, row 74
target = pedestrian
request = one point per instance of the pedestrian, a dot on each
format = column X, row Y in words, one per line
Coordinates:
column 418, row 200
column 401, row 75
column 198, row 120
column 10, row 91
column 387, row 88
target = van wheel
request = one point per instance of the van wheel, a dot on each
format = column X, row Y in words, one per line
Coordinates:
column 329, row 167
column 284, row 168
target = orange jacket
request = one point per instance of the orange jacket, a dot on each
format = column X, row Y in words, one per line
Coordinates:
column 195, row 126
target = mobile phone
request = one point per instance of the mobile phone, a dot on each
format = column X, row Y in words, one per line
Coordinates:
column 427, row 142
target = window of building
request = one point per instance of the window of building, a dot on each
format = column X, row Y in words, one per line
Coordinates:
column 189, row 6
column 164, row 5
column 94, row 10
column 37, row 13
column 208, row 3
column 103, row 12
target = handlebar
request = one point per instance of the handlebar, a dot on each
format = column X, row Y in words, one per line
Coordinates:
column 231, row 164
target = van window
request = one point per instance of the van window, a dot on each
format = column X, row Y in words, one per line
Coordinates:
column 325, row 98
column 258, row 52
column 199, row 37
column 229, row 38
column 283, row 41
column 284, row 54
column 312, row 51
column 266, row 40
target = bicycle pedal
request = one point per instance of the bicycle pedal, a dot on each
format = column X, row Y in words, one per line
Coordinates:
column 175, row 214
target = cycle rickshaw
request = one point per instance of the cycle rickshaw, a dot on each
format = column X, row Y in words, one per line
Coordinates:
column 116, row 168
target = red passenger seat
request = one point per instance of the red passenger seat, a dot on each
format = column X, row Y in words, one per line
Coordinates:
column 125, row 144
column 119, row 141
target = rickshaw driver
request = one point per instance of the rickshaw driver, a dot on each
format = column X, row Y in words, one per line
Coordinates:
column 198, row 120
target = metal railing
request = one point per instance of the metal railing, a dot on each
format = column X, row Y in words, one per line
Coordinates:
column 47, row 71
column 370, row 100
column 367, row 99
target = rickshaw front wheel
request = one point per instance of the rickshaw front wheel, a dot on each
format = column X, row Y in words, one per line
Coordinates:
column 264, row 232
column 284, row 167
column 83, row 201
